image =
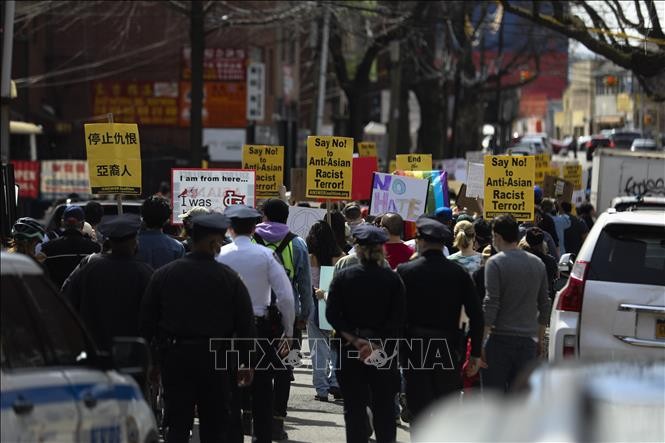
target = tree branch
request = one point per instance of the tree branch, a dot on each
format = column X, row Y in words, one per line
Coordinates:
column 339, row 62
column 619, row 21
column 599, row 23
column 656, row 29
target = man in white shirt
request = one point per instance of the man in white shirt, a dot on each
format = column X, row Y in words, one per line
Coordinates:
column 261, row 273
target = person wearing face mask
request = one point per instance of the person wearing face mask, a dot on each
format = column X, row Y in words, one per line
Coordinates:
column 188, row 303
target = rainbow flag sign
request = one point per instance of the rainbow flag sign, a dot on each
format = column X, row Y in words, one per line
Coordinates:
column 438, row 188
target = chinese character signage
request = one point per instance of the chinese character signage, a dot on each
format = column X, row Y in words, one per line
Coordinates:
column 219, row 64
column 26, row 174
column 224, row 104
column 59, row 178
column 143, row 102
column 114, row 158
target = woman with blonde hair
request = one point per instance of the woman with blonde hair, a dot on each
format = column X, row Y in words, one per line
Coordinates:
column 464, row 240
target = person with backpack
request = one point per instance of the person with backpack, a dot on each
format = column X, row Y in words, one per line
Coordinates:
column 293, row 253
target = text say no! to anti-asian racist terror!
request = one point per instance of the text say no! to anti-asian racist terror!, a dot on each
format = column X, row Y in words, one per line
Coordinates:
column 509, row 182
column 329, row 167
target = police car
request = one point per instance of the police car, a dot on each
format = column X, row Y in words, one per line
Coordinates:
column 55, row 384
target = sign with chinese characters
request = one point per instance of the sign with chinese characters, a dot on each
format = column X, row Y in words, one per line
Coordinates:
column 26, row 175
column 60, row 178
column 509, row 182
column 142, row 102
column 114, row 158
column 367, row 149
column 219, row 64
column 329, row 167
column 215, row 189
column 224, row 104
column 268, row 162
column 256, row 94
column 414, row 162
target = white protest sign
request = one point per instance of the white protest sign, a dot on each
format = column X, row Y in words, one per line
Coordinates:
column 215, row 189
column 405, row 196
column 455, row 167
column 475, row 180
column 301, row 219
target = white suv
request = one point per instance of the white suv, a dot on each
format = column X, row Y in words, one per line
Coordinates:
column 55, row 385
column 613, row 305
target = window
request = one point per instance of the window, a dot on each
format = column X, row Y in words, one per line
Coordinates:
column 20, row 342
column 69, row 341
column 630, row 254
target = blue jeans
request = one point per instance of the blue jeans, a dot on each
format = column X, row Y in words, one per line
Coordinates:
column 506, row 357
column 323, row 360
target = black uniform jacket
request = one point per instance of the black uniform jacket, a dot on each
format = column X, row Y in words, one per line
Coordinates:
column 65, row 253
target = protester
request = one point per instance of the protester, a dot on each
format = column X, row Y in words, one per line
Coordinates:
column 465, row 237
column 64, row 253
column 534, row 243
column 483, row 233
column 516, row 307
column 549, row 241
column 576, row 233
column 445, row 215
column 433, row 320
column 261, row 272
column 546, row 223
column 275, row 234
column 396, row 251
column 155, row 247
column 27, row 233
column 187, row 225
column 561, row 223
column 106, row 289
column 340, row 228
column 587, row 214
column 352, row 215
column 94, row 211
column 187, row 303
column 323, row 251
column 365, row 303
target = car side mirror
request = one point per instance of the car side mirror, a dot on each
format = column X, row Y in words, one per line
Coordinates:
column 566, row 262
column 131, row 356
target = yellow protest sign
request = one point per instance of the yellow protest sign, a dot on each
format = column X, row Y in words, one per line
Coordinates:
column 572, row 172
column 553, row 171
column 367, row 149
column 329, row 167
column 509, row 182
column 542, row 165
column 414, row 162
column 392, row 166
column 268, row 162
column 114, row 158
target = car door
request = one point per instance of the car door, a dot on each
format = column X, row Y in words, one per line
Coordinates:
column 623, row 310
column 94, row 390
column 37, row 401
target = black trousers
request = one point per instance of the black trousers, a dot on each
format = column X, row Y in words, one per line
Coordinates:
column 363, row 385
column 189, row 379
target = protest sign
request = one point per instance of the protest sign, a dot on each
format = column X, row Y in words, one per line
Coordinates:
column 572, row 172
column 60, row 178
column 26, row 175
column 542, row 165
column 475, row 180
column 472, row 205
column 367, row 149
column 455, row 167
column 114, row 158
column 474, row 156
column 557, row 188
column 414, row 162
column 363, row 168
column 298, row 184
column 268, row 162
column 215, row 189
column 509, row 182
column 329, row 167
column 301, row 219
column 325, row 278
column 437, row 196
column 403, row 195
column 392, row 166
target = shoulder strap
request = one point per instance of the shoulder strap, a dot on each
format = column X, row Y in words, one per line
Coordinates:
column 285, row 242
column 259, row 239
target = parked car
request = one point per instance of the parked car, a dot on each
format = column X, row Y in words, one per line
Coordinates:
column 638, row 203
column 613, row 305
column 596, row 141
column 52, row 219
column 644, row 144
column 623, row 139
column 56, row 385
column 526, row 148
column 540, row 139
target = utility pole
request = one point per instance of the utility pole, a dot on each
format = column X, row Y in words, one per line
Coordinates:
column 395, row 90
column 323, row 71
column 197, row 43
column 5, row 87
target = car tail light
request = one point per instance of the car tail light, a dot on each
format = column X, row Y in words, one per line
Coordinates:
column 569, row 346
column 588, row 145
column 573, row 293
column 612, row 145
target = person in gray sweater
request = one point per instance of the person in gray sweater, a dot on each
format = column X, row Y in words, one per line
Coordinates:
column 516, row 307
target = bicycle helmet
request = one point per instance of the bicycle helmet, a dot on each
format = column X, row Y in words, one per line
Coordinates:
column 28, row 228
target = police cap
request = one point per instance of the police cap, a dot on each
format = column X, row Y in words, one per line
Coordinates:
column 211, row 222
column 366, row 234
column 121, row 227
column 242, row 212
column 432, row 230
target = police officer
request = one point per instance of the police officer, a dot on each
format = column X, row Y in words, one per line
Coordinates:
column 187, row 303
column 106, row 289
column 436, row 291
column 261, row 272
column 366, row 306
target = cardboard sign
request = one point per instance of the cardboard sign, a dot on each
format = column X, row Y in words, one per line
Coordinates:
column 63, row 177
column 26, row 175
column 475, row 180
column 329, row 167
column 298, row 184
column 403, row 195
column 114, row 158
column 472, row 205
column 301, row 219
column 363, row 168
column 414, row 162
column 367, row 149
column 268, row 162
column 215, row 189
column 558, row 189
column 572, row 172
column 509, row 182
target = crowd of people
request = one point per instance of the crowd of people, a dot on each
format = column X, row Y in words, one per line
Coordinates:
column 462, row 305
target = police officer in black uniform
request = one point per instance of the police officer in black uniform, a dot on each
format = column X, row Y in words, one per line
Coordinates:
column 436, row 291
column 187, row 303
column 366, row 306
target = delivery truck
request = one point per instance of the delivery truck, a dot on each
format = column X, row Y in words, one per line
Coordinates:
column 618, row 172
